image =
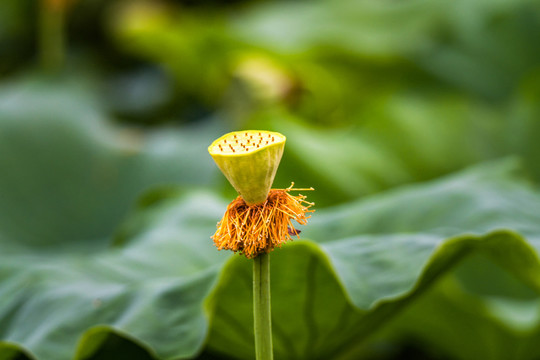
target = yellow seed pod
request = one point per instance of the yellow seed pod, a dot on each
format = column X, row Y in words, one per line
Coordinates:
column 249, row 160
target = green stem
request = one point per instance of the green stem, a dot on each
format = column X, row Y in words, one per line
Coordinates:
column 51, row 35
column 262, row 307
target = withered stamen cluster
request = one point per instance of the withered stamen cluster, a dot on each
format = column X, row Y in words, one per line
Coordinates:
column 256, row 229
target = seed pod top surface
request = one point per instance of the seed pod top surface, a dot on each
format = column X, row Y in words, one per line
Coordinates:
column 249, row 160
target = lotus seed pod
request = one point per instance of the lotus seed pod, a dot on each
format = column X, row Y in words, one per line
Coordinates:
column 249, row 160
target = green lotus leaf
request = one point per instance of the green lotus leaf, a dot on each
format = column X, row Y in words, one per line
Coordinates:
column 167, row 292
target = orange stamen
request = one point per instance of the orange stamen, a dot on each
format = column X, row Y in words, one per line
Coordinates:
column 257, row 229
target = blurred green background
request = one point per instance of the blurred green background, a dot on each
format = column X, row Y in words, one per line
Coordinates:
column 416, row 121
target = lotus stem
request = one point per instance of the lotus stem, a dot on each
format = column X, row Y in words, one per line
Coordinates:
column 52, row 34
column 262, row 315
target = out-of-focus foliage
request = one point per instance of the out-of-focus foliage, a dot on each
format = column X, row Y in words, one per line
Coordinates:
column 15, row 34
column 403, row 84
column 380, row 101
